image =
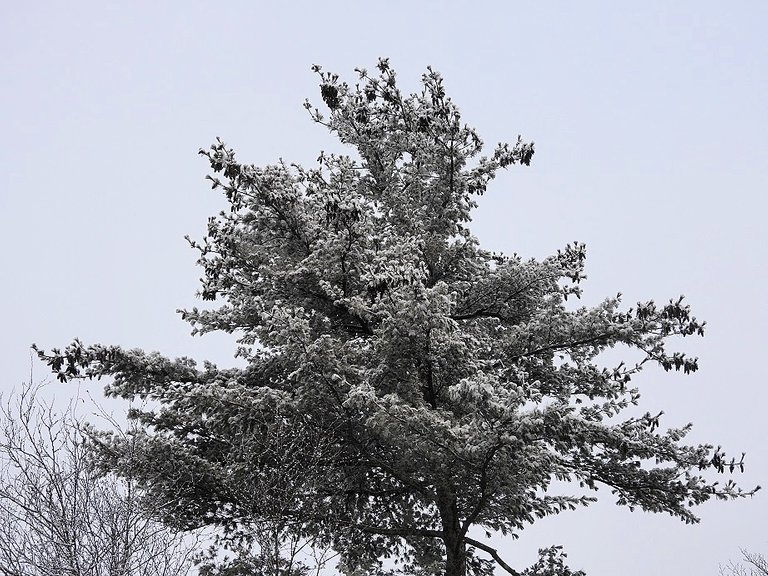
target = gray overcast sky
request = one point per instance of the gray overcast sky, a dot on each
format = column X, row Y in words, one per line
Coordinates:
column 650, row 123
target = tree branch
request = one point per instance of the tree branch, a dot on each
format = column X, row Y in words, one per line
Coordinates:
column 494, row 554
column 402, row 531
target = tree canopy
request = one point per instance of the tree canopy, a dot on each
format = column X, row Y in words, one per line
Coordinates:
column 432, row 386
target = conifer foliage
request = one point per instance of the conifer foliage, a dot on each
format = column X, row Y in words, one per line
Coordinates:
column 435, row 389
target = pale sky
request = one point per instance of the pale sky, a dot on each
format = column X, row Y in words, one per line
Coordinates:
column 650, row 126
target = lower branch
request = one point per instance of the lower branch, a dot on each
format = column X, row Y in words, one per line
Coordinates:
column 401, row 531
column 494, row 554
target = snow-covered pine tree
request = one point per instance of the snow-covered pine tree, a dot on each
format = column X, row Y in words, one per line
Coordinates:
column 444, row 386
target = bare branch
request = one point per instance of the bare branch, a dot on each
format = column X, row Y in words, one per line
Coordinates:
column 494, row 554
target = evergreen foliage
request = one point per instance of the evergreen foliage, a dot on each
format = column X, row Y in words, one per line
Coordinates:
column 431, row 386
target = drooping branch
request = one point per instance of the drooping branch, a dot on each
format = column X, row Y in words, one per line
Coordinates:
column 494, row 554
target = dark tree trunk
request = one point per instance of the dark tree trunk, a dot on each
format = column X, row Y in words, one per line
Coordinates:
column 455, row 557
column 455, row 548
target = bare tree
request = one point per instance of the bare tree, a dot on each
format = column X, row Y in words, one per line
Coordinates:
column 60, row 516
column 756, row 565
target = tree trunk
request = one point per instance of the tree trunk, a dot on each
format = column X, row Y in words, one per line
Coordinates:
column 455, row 557
column 455, row 548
